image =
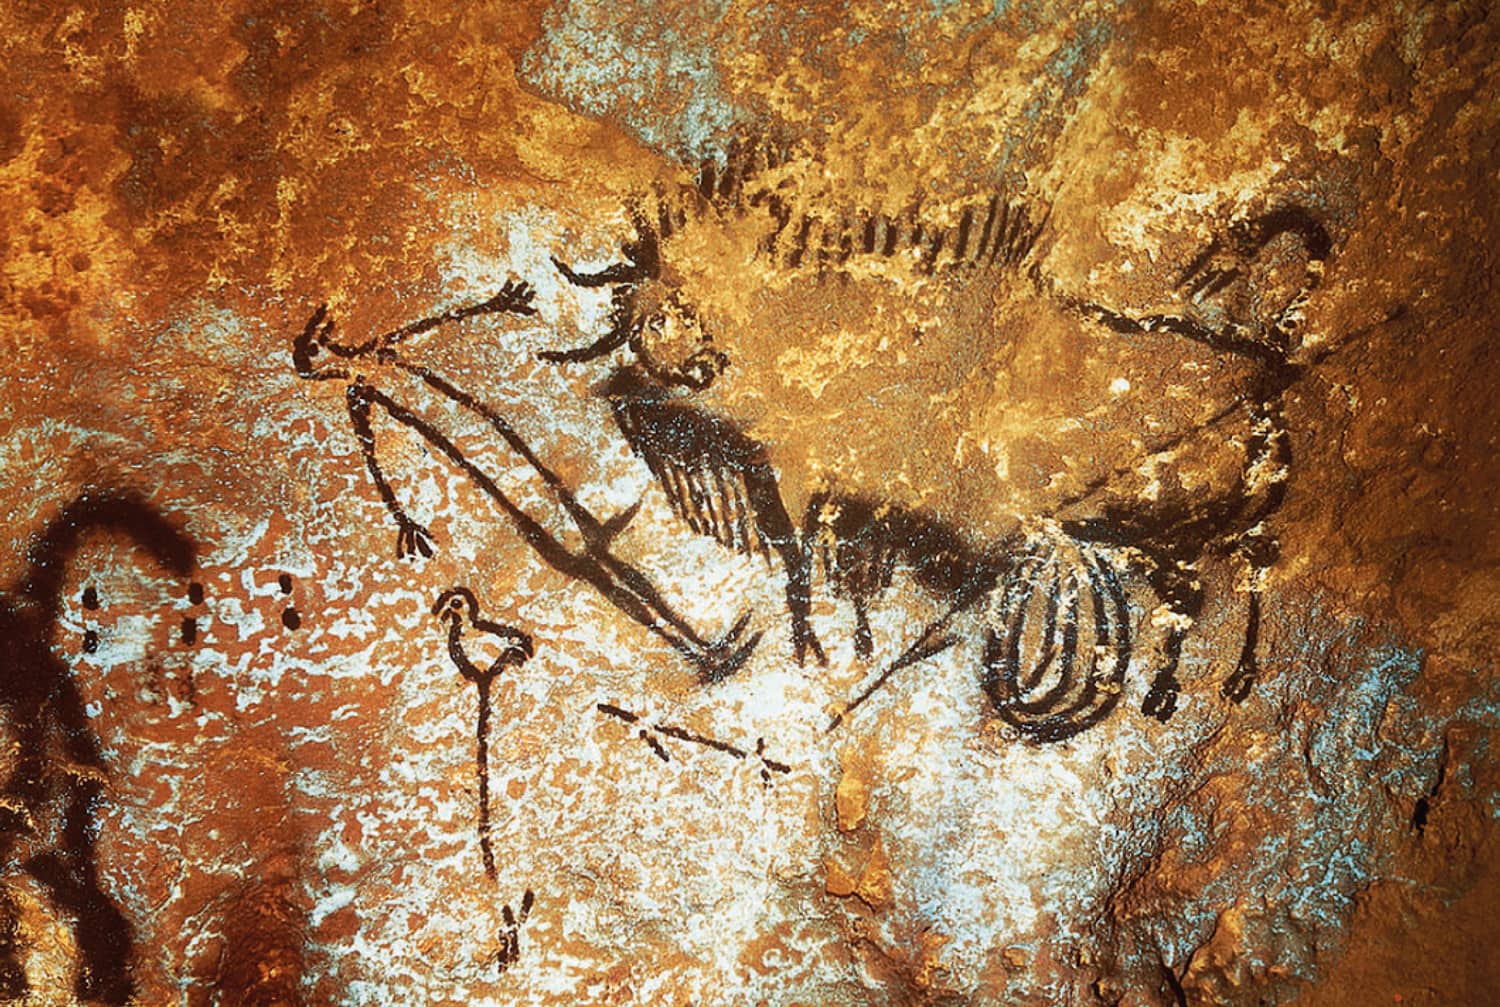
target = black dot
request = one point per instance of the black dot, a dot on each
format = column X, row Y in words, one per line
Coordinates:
column 90, row 641
column 195, row 593
column 285, row 580
column 90, row 598
column 290, row 619
column 190, row 630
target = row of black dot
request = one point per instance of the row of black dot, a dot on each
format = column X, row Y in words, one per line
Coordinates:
column 290, row 618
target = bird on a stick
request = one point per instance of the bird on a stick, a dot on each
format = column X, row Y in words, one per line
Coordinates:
column 481, row 650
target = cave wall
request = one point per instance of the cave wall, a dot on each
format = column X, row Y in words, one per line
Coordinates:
column 955, row 503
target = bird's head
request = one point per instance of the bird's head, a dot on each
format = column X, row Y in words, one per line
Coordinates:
column 505, row 644
column 457, row 604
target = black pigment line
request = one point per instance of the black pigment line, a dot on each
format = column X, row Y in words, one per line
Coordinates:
column 698, row 739
column 928, row 644
column 964, row 223
column 482, row 767
column 661, row 752
column 615, row 711
column 768, row 763
column 1149, row 448
column 1237, row 687
column 513, row 298
column 930, row 257
column 989, row 223
column 1219, row 340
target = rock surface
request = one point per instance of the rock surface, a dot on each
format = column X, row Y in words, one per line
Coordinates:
column 959, row 504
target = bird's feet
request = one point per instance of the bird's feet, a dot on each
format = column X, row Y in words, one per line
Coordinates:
column 509, row 951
